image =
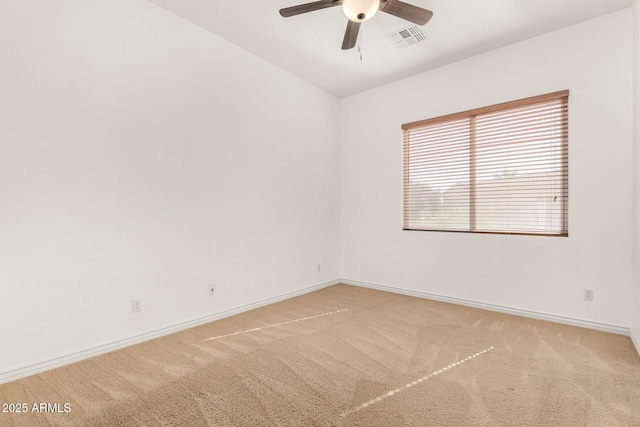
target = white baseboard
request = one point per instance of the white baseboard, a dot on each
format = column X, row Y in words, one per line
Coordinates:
column 92, row 351
column 635, row 339
column 572, row 321
column 88, row 352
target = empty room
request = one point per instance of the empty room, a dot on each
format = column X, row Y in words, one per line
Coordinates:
column 336, row 213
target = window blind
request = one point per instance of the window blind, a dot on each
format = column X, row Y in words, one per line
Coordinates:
column 498, row 169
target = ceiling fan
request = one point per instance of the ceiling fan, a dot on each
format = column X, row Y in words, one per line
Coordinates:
column 359, row 11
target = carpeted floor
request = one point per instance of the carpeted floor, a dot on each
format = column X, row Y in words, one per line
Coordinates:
column 349, row 356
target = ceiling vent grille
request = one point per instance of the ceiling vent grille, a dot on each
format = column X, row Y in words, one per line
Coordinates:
column 407, row 37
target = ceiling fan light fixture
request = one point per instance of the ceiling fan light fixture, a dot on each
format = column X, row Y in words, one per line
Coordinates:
column 360, row 10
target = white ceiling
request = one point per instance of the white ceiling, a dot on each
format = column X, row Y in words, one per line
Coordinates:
column 308, row 45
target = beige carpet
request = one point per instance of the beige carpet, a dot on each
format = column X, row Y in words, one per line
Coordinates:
column 348, row 356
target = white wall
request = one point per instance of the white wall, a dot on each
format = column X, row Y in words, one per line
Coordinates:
column 143, row 157
column 635, row 326
column 544, row 274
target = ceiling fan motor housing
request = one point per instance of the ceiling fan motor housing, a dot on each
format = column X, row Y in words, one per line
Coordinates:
column 360, row 10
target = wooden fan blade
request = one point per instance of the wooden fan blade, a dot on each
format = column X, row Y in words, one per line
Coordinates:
column 308, row 7
column 351, row 35
column 407, row 11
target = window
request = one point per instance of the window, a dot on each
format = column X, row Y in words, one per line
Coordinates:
column 498, row 169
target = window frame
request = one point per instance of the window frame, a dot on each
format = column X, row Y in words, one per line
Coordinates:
column 562, row 96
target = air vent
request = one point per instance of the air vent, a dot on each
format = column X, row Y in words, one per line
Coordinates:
column 407, row 37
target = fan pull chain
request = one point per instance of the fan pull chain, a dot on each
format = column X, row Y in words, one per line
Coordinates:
column 360, row 41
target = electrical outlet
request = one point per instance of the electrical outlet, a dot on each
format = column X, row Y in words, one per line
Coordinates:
column 319, row 268
column 212, row 289
column 588, row 294
column 136, row 305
